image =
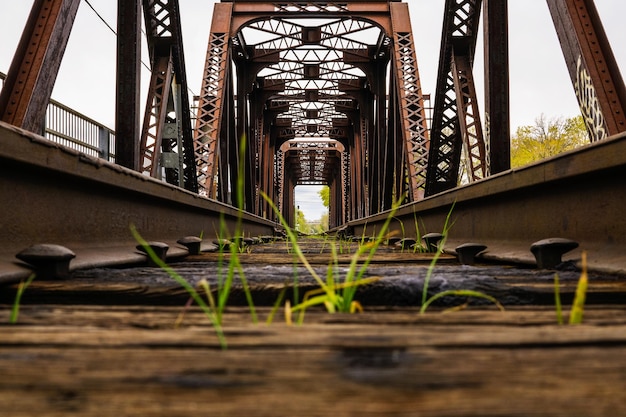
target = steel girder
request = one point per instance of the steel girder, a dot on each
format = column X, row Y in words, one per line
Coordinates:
column 456, row 122
column 30, row 80
column 409, row 101
column 310, row 70
column 167, row 146
column 592, row 67
column 128, row 84
column 213, row 97
column 497, row 104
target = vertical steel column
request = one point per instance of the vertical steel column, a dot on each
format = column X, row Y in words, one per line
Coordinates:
column 412, row 115
column 127, row 95
column 29, row 83
column 365, row 165
column 497, row 107
column 592, row 67
column 212, row 97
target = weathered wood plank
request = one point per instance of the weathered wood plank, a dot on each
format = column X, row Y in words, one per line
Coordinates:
column 318, row 370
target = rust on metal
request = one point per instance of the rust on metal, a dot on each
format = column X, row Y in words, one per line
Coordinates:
column 127, row 95
column 595, row 76
column 36, row 63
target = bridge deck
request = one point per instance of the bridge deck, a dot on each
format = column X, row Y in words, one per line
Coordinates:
column 104, row 343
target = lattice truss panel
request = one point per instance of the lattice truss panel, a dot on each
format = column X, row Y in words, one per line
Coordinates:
column 312, row 67
column 456, row 122
column 413, row 114
column 158, row 18
column 154, row 120
column 313, row 162
column 166, row 140
column 208, row 120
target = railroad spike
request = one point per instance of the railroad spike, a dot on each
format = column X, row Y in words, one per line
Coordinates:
column 192, row 243
column 160, row 249
column 432, row 241
column 466, row 253
column 49, row 261
column 548, row 252
column 405, row 243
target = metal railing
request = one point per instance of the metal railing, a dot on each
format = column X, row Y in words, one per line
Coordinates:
column 72, row 129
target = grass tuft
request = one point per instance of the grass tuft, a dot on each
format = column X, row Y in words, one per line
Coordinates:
column 578, row 306
column 15, row 311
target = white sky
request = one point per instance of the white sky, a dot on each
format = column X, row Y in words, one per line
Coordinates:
column 539, row 82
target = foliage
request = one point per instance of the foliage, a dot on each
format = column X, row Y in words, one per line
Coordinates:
column 578, row 306
column 546, row 138
column 302, row 225
column 324, row 194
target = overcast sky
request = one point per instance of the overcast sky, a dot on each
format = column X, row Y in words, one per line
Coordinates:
column 539, row 81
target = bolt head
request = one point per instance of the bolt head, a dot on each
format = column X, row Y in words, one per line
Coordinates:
column 160, row 249
column 432, row 241
column 192, row 243
column 467, row 252
column 548, row 252
column 48, row 260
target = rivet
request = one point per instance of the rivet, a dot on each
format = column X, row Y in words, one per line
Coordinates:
column 548, row 252
column 467, row 252
column 192, row 243
column 432, row 241
column 159, row 248
column 49, row 260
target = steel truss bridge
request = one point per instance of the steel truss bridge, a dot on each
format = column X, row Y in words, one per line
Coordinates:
column 310, row 92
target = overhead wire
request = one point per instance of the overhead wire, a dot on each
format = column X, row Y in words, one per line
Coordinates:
column 115, row 33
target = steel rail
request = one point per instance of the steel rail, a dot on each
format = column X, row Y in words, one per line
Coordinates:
column 53, row 194
column 577, row 195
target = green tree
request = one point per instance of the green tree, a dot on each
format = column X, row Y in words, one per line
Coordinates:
column 547, row 137
column 301, row 224
column 324, row 194
column 323, row 223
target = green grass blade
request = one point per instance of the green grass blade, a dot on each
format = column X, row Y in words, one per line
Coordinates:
column 15, row 311
column 277, row 304
column 461, row 293
column 578, row 306
column 446, row 228
column 183, row 283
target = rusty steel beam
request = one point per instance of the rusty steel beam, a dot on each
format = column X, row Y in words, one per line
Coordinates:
column 593, row 70
column 33, row 72
column 212, row 99
column 128, row 85
column 376, row 11
column 53, row 194
column 410, row 100
column 497, row 102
